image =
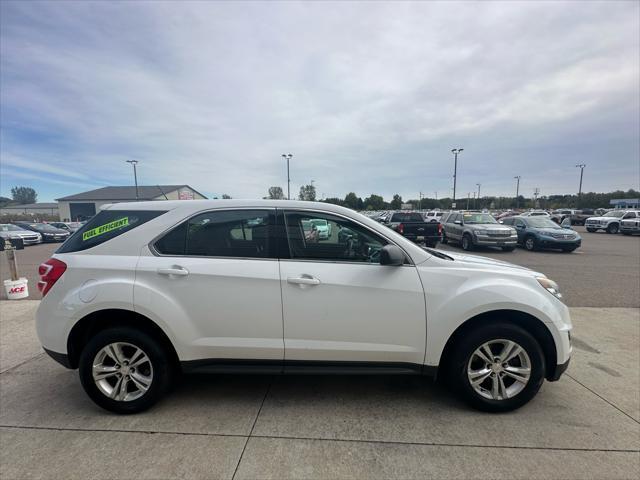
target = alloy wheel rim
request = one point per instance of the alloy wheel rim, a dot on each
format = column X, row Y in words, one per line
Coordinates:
column 122, row 371
column 499, row 369
column 529, row 243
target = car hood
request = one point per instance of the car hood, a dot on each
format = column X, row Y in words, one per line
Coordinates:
column 476, row 261
column 603, row 218
column 490, row 226
column 550, row 230
column 14, row 234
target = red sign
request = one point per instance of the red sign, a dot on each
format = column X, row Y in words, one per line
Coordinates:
column 17, row 289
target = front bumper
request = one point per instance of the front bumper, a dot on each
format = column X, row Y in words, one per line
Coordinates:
column 559, row 370
column 558, row 243
column 494, row 242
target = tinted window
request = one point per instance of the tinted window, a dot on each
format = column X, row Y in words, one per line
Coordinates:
column 340, row 240
column 106, row 225
column 508, row 221
column 231, row 233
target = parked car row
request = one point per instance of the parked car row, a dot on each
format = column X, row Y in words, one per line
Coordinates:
column 614, row 221
column 32, row 233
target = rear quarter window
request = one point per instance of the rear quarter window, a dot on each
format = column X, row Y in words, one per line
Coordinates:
column 105, row 226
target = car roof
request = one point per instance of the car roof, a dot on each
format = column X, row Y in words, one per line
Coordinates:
column 196, row 205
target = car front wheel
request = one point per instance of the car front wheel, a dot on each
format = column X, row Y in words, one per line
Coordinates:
column 530, row 243
column 498, row 367
column 124, row 370
column 467, row 242
column 613, row 228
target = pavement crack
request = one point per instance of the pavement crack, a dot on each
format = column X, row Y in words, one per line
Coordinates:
column 255, row 420
column 602, row 398
column 21, row 363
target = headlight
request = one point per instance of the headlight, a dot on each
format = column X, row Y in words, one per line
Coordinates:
column 550, row 286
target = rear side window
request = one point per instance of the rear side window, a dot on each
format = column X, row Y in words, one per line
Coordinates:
column 231, row 233
column 407, row 217
column 106, row 225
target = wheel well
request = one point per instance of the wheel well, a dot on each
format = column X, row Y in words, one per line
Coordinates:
column 95, row 322
column 527, row 322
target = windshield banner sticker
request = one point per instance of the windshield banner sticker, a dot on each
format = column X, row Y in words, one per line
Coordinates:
column 107, row 227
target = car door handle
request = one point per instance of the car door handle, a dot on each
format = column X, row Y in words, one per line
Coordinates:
column 181, row 272
column 303, row 280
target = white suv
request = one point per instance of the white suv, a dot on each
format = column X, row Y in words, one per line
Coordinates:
column 610, row 221
column 147, row 290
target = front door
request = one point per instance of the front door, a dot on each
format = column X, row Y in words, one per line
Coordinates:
column 340, row 304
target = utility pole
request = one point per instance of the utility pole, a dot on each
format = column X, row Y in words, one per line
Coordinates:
column 581, row 167
column 287, row 157
column 479, row 194
column 135, row 174
column 468, row 199
column 420, row 201
column 455, row 152
column 517, row 191
column 536, row 192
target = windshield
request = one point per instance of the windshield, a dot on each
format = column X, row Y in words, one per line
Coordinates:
column 477, row 218
column 44, row 226
column 541, row 222
column 614, row 213
column 6, row 227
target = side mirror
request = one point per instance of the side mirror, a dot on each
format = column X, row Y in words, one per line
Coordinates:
column 458, row 222
column 391, row 255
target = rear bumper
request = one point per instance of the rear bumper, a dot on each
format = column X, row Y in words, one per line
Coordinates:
column 61, row 358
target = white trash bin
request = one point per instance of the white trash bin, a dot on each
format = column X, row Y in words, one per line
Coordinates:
column 16, row 289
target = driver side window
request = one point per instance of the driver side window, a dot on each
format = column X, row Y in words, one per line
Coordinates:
column 320, row 236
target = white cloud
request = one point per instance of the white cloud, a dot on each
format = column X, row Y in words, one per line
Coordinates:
column 368, row 96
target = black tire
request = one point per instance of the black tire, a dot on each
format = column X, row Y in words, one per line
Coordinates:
column 508, row 249
column 471, row 341
column 591, row 230
column 467, row 242
column 432, row 244
column 530, row 243
column 159, row 359
column 613, row 228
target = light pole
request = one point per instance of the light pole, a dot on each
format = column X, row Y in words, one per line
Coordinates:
column 581, row 167
column 135, row 174
column 468, row 199
column 455, row 152
column 287, row 157
column 517, row 191
column 478, row 185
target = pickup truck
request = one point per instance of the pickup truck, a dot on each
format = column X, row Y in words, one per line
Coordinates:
column 412, row 226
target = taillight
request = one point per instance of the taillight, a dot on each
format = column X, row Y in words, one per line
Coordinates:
column 400, row 228
column 439, row 229
column 50, row 271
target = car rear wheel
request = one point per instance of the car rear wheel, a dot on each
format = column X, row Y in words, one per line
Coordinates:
column 498, row 367
column 124, row 370
column 530, row 243
column 613, row 228
column 467, row 242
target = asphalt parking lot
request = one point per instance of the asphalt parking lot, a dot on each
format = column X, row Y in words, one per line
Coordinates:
column 602, row 273
column 587, row 425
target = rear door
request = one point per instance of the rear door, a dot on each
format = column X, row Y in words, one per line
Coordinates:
column 214, row 279
column 341, row 305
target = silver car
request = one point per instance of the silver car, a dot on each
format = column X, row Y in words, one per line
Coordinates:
column 8, row 231
column 471, row 229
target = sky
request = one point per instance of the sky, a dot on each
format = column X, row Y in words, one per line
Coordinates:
column 367, row 97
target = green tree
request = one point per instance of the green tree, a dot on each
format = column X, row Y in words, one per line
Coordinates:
column 396, row 203
column 24, row 195
column 307, row 192
column 374, row 202
column 351, row 200
column 276, row 193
